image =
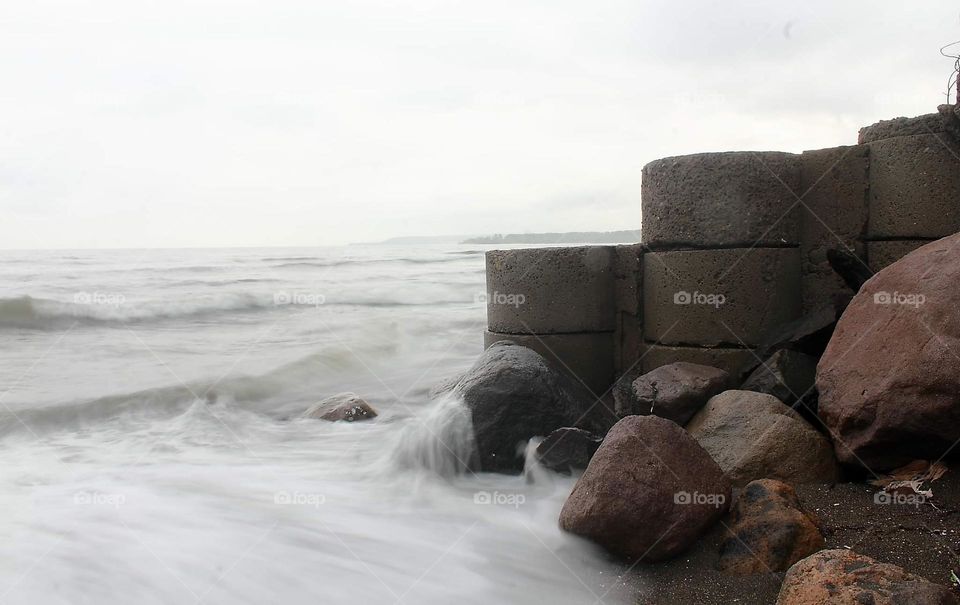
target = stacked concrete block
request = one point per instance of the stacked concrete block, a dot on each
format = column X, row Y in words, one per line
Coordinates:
column 930, row 123
column 560, row 302
column 730, row 296
column 914, row 186
column 884, row 253
column 713, row 200
column 835, row 194
column 627, row 286
column 734, row 245
column 724, row 266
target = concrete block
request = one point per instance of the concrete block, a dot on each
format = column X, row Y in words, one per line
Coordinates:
column 588, row 357
column 884, row 253
column 930, row 123
column 914, row 187
column 551, row 290
column 733, row 296
column 741, row 198
column 628, row 278
column 835, row 184
column 734, row 360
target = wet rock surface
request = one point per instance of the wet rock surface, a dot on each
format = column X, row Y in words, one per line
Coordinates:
column 649, row 492
column 770, row 530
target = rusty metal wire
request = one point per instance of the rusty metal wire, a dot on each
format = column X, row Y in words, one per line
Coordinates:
column 954, row 79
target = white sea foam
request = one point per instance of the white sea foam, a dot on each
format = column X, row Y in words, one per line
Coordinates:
column 154, row 450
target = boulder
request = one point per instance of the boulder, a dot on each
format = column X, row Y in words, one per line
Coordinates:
column 755, row 436
column 850, row 267
column 675, row 391
column 810, row 334
column 648, row 493
column 347, row 407
column 567, row 450
column 513, row 394
column 843, row 577
column 770, row 530
column 787, row 375
column 889, row 380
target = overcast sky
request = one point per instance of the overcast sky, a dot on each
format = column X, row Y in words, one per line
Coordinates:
column 129, row 123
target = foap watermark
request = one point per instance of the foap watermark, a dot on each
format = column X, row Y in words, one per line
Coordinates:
column 110, row 299
column 884, row 498
column 305, row 299
column 300, row 498
column 714, row 500
column 501, row 298
column 99, row 499
column 899, row 298
column 699, row 298
column 499, row 498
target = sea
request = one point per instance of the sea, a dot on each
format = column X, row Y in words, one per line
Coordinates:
column 154, row 448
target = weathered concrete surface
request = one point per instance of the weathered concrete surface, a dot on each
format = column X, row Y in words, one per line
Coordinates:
column 551, row 290
column 732, row 360
column 739, row 198
column 914, row 187
column 883, row 253
column 710, row 297
column 835, row 188
column 589, row 357
column 930, row 123
column 627, row 285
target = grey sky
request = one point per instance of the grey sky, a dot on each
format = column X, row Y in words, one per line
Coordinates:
column 128, row 123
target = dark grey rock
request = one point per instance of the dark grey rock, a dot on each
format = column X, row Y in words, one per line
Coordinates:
column 513, row 394
column 567, row 450
column 787, row 375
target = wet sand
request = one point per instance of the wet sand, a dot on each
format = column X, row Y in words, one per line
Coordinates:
column 924, row 540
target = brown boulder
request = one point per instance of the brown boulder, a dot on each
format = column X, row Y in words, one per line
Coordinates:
column 648, row 493
column 755, row 436
column 770, row 530
column 842, row 577
column 675, row 391
column 889, row 380
column 347, row 407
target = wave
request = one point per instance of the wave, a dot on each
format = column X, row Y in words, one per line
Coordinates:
column 96, row 308
column 102, row 309
column 277, row 392
column 366, row 261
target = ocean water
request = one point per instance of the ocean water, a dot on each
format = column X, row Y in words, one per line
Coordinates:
column 153, row 450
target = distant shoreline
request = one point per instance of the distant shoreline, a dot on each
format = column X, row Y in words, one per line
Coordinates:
column 575, row 237
column 571, row 237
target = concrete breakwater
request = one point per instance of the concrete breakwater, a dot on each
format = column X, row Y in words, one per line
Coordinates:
column 733, row 245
